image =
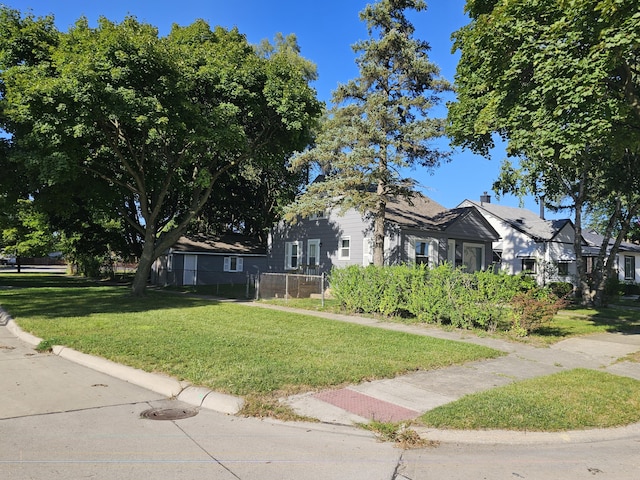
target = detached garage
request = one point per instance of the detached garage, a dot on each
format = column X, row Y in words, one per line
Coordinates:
column 201, row 260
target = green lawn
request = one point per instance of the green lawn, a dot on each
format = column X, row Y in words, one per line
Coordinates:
column 228, row 347
column 262, row 354
column 573, row 400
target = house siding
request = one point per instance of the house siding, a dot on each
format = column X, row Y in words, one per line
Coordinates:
column 329, row 231
column 210, row 269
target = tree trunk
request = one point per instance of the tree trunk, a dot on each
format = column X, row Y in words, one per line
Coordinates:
column 378, row 227
column 147, row 258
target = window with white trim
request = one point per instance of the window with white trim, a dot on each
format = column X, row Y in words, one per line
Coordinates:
column 473, row 257
column 424, row 251
column 233, row 264
column 170, row 262
column 367, row 251
column 313, row 252
column 451, row 252
column 629, row 267
column 318, row 215
column 344, row 248
column 291, row 255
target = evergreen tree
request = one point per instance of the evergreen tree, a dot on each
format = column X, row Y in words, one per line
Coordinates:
column 379, row 125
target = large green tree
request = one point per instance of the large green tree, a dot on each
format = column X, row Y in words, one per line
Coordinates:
column 158, row 119
column 379, row 125
column 558, row 80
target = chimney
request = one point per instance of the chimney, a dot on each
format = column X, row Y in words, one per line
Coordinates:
column 485, row 198
column 542, row 208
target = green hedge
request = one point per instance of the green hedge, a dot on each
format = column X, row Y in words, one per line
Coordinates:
column 445, row 295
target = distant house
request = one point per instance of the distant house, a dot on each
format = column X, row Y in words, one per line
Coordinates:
column 530, row 244
column 627, row 264
column 202, row 260
column 419, row 231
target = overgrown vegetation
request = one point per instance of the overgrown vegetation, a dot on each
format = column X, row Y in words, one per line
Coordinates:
column 446, row 295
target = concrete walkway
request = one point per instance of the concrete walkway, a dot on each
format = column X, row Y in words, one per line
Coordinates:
column 408, row 396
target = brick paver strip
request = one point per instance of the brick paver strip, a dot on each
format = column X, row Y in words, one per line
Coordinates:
column 366, row 406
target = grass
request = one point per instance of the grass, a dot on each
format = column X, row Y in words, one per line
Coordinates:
column 572, row 400
column 228, row 347
column 264, row 354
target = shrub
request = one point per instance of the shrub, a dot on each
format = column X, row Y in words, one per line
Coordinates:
column 533, row 309
column 442, row 295
column 561, row 289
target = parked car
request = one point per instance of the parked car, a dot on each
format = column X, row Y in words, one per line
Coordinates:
column 7, row 260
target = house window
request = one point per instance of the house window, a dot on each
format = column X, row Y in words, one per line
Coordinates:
column 629, row 268
column 344, row 250
column 170, row 262
column 473, row 257
column 451, row 252
column 422, row 252
column 313, row 252
column 292, row 253
column 563, row 268
column 233, row 264
column 317, row 215
column 367, row 251
column 529, row 265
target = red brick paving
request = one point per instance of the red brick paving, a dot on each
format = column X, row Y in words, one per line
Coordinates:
column 366, row 406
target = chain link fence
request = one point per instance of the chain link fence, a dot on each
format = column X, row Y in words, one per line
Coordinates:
column 287, row 285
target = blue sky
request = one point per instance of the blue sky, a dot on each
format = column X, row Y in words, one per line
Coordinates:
column 326, row 30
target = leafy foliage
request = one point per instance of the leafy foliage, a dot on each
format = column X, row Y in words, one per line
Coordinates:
column 559, row 81
column 446, row 295
column 159, row 120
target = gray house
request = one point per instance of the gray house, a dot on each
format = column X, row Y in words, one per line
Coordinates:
column 203, row 260
column 419, row 231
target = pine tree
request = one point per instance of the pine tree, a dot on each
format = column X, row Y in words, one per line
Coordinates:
column 379, row 124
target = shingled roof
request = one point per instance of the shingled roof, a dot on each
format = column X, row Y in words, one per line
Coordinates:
column 525, row 220
column 422, row 213
column 231, row 244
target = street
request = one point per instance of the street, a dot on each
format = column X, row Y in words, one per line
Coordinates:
column 60, row 420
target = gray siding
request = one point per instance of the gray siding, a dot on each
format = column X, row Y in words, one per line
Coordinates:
column 210, row 269
column 329, row 231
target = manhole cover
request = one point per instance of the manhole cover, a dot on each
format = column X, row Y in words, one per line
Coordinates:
column 168, row 413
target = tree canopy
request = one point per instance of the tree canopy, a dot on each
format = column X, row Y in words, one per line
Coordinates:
column 558, row 80
column 379, row 125
column 159, row 120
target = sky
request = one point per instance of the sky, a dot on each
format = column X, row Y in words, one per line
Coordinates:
column 326, row 31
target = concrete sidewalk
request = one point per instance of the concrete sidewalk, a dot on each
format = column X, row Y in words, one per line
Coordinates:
column 408, row 396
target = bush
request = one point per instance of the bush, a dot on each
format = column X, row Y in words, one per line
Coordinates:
column 533, row 309
column 561, row 289
column 444, row 295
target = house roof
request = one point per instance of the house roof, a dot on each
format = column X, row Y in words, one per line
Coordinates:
column 524, row 220
column 419, row 212
column 422, row 213
column 594, row 242
column 231, row 244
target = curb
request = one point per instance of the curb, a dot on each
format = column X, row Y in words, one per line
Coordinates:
column 162, row 384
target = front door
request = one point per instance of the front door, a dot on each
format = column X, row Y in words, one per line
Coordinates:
column 190, row 272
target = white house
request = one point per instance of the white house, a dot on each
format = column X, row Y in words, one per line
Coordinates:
column 528, row 243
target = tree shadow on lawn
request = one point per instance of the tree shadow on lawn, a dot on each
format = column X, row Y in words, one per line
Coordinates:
column 618, row 321
column 76, row 299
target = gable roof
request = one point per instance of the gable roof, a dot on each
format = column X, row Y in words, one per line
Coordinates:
column 422, row 213
column 594, row 242
column 524, row 220
column 231, row 244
